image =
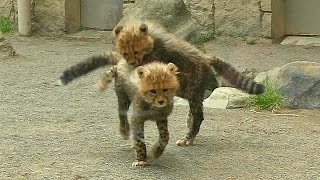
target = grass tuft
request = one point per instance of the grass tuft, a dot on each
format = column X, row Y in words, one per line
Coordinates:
column 5, row 25
column 251, row 40
column 270, row 100
column 206, row 36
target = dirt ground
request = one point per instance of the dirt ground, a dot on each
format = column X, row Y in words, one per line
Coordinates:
column 71, row 132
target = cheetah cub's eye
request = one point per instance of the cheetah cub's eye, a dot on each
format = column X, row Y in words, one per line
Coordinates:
column 125, row 54
column 153, row 91
column 136, row 52
column 165, row 90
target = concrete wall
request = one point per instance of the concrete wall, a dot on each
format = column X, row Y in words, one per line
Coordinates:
column 101, row 14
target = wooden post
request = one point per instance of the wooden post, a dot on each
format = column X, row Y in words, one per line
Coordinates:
column 72, row 15
column 277, row 20
column 24, row 17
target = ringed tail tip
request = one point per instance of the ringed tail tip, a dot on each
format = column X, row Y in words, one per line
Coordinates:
column 259, row 89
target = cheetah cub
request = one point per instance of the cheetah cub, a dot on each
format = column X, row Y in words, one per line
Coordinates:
column 150, row 89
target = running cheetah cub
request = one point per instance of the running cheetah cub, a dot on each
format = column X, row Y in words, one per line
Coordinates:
column 151, row 89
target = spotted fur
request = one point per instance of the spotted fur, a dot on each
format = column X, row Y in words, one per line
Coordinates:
column 150, row 89
column 142, row 43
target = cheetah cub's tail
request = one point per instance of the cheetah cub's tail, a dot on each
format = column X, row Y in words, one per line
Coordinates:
column 234, row 78
column 88, row 65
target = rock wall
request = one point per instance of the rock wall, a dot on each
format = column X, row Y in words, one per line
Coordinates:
column 235, row 18
column 48, row 17
column 202, row 12
column 243, row 18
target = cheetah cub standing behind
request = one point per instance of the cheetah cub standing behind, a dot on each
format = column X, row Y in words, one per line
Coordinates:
column 151, row 89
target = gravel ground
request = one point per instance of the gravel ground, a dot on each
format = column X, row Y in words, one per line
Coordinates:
column 71, row 132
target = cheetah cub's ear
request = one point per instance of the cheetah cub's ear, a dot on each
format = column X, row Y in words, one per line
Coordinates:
column 118, row 29
column 141, row 72
column 143, row 29
column 172, row 68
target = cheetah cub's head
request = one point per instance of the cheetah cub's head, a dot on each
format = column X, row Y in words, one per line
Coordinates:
column 158, row 83
column 133, row 42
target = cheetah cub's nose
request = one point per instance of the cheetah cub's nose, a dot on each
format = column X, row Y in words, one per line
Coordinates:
column 160, row 102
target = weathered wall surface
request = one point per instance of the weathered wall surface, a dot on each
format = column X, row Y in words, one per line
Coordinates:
column 243, row 17
column 235, row 18
column 47, row 16
column 266, row 18
column 8, row 8
column 202, row 12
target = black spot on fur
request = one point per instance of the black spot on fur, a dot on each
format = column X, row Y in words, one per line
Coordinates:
column 118, row 29
column 143, row 28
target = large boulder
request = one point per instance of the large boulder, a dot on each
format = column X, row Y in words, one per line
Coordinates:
column 298, row 82
column 174, row 15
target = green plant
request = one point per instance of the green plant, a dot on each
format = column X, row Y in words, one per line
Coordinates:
column 206, row 35
column 5, row 24
column 250, row 40
column 270, row 100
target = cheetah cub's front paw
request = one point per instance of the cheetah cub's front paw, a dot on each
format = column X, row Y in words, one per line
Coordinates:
column 185, row 141
column 101, row 85
column 139, row 163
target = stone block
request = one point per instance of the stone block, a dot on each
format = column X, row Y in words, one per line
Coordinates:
column 266, row 25
column 266, row 5
column 237, row 18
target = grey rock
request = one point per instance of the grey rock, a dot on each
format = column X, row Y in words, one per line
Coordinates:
column 173, row 15
column 298, row 82
column 226, row 98
column 221, row 98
